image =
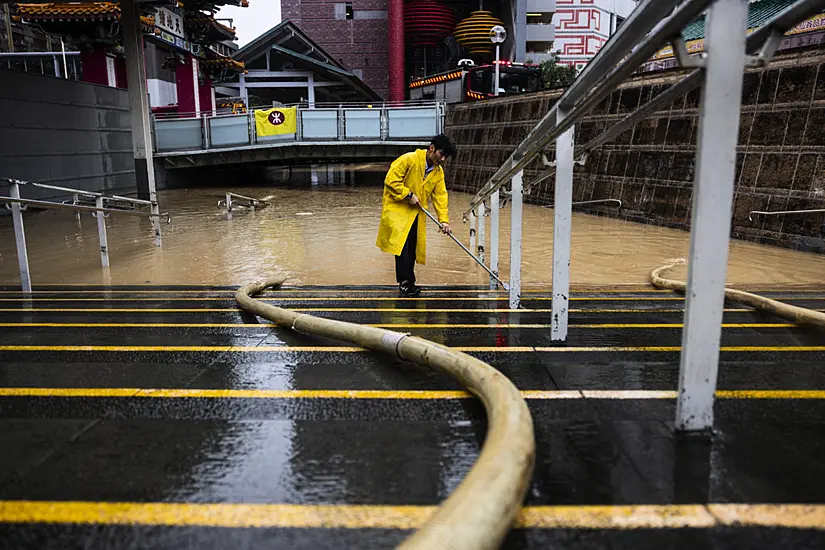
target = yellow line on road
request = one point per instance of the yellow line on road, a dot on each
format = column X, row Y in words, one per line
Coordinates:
column 348, row 349
column 390, row 325
column 337, row 516
column 172, row 393
column 286, row 290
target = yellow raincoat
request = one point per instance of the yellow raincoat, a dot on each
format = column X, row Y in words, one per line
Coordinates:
column 397, row 214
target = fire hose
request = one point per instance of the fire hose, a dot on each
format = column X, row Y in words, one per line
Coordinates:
column 798, row 315
column 480, row 512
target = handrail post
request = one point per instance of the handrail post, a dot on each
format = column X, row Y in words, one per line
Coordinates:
column 101, row 233
column 20, row 239
column 494, row 214
column 480, row 232
column 473, row 231
column 76, row 199
column 515, row 239
column 229, row 202
column 712, row 201
column 562, row 220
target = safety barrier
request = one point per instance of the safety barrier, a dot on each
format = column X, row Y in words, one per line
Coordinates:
column 101, row 206
column 61, row 64
column 719, row 72
column 352, row 122
column 484, row 506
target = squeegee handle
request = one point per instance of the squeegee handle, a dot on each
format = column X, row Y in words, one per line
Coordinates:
column 465, row 249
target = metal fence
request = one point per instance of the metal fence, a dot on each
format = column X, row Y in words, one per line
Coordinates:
column 719, row 72
column 60, row 64
column 321, row 122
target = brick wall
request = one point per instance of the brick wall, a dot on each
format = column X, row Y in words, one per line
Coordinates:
column 780, row 161
column 358, row 44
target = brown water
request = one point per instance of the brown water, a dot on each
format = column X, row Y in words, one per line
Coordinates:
column 326, row 235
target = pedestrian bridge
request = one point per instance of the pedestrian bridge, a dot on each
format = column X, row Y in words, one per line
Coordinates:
column 322, row 133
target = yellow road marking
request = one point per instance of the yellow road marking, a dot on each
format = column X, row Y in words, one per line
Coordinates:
column 388, row 325
column 171, row 393
column 350, row 349
column 332, row 516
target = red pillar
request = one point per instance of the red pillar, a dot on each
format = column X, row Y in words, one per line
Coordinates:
column 205, row 91
column 187, row 84
column 120, row 73
column 93, row 65
column 395, row 24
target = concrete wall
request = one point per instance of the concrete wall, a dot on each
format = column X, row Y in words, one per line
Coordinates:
column 780, row 165
column 64, row 132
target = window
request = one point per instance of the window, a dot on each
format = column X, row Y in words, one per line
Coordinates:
column 343, row 10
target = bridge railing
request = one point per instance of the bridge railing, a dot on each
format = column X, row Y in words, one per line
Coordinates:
column 322, row 122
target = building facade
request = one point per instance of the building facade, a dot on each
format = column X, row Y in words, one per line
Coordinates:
column 360, row 34
column 583, row 26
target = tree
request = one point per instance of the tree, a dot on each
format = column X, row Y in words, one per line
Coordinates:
column 556, row 75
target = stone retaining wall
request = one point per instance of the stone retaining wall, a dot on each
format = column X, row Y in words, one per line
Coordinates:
column 780, row 165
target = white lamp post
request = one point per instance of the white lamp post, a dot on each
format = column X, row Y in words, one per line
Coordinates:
column 498, row 34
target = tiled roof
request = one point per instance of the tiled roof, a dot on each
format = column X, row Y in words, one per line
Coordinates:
column 219, row 61
column 89, row 11
column 55, row 10
column 759, row 12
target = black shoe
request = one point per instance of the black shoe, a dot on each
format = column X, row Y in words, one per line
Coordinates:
column 409, row 289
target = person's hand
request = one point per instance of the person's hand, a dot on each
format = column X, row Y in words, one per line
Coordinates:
column 446, row 229
column 414, row 200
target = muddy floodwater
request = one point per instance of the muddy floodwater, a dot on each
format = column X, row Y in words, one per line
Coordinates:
column 326, row 235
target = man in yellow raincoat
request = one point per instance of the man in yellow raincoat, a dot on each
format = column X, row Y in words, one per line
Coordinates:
column 414, row 178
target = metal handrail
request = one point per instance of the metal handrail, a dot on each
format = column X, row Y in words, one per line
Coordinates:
column 37, row 54
column 82, row 208
column 783, row 212
column 410, row 104
column 17, row 205
column 765, row 38
column 617, row 61
column 77, row 192
column 253, row 203
column 600, row 201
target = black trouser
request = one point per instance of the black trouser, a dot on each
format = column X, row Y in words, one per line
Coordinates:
column 405, row 262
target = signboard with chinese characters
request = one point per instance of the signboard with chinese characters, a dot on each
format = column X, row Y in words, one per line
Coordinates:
column 170, row 22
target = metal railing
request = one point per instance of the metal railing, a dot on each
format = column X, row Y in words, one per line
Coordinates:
column 63, row 64
column 103, row 206
column 783, row 212
column 720, row 73
column 247, row 202
column 322, row 122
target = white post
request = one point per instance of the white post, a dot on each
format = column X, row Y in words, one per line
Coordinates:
column 495, row 92
column 494, row 211
column 130, row 26
column 562, row 214
column 515, row 239
column 65, row 68
column 473, row 232
column 76, row 200
column 481, row 240
column 243, row 90
column 712, row 200
column 228, row 202
column 101, row 233
column 56, row 66
column 20, row 239
column 311, row 90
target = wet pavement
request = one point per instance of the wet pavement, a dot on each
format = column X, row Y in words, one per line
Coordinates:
column 161, row 417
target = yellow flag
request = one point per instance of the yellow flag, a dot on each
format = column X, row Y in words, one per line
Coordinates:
column 272, row 122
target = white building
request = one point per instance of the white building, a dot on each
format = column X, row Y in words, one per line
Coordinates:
column 579, row 28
